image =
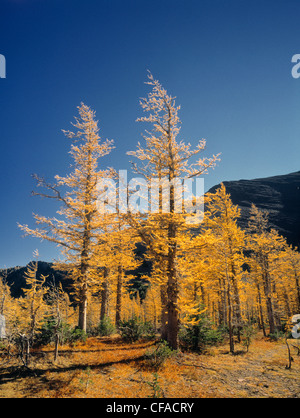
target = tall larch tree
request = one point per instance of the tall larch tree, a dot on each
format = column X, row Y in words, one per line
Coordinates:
column 291, row 270
column 76, row 230
column 117, row 257
column 164, row 157
column 226, row 252
column 265, row 246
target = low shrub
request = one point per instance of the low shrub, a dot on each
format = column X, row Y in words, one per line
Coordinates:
column 149, row 331
column 77, row 335
column 202, row 334
column 46, row 334
column 248, row 332
column 105, row 327
column 134, row 329
column 67, row 334
column 131, row 329
column 155, row 358
column 276, row 335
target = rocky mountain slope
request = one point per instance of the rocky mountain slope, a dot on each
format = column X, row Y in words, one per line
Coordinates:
column 15, row 278
column 279, row 195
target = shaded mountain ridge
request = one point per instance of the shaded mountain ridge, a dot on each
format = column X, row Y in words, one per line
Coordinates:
column 279, row 195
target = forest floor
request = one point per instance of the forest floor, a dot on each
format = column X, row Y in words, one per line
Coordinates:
column 109, row 368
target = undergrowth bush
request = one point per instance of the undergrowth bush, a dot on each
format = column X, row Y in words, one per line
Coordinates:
column 134, row 329
column 67, row 334
column 197, row 337
column 131, row 329
column 46, row 334
column 155, row 358
column 77, row 335
column 157, row 391
column 105, row 327
column 248, row 332
column 276, row 335
column 149, row 331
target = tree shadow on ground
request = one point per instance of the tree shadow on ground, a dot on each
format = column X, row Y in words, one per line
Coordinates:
column 19, row 372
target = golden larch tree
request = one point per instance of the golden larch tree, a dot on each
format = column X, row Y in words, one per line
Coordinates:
column 76, row 230
column 265, row 246
column 226, row 253
column 165, row 157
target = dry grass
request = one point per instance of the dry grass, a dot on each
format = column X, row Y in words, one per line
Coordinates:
column 109, row 368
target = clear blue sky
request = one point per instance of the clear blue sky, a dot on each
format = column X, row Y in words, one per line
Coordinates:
column 228, row 62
